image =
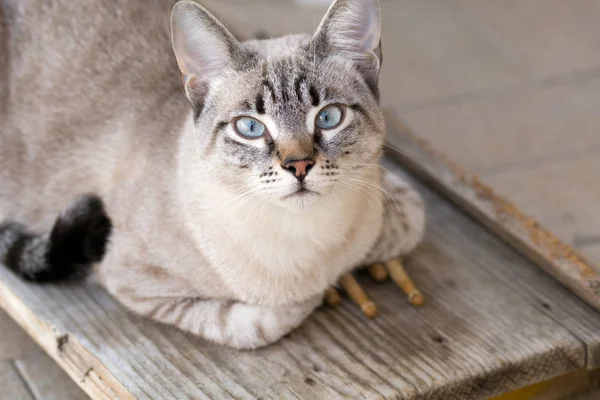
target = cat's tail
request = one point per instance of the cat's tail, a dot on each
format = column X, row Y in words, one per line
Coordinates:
column 77, row 240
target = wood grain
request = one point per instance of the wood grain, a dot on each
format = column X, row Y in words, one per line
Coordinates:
column 482, row 332
column 498, row 214
column 81, row 366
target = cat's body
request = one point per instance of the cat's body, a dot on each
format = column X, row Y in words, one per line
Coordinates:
column 91, row 102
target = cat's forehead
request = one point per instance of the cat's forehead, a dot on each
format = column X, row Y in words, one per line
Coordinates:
column 278, row 47
column 287, row 81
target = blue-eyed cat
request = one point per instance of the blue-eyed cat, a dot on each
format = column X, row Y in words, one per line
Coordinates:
column 235, row 202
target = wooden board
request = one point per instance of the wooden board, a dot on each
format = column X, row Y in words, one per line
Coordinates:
column 26, row 371
column 501, row 216
column 483, row 331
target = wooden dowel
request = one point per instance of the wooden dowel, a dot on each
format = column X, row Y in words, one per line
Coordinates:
column 378, row 272
column 401, row 278
column 332, row 297
column 355, row 292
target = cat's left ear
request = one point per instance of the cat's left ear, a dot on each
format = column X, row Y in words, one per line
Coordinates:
column 204, row 48
column 352, row 29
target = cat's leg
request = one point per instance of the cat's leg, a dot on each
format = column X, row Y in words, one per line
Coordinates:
column 229, row 323
column 402, row 230
column 403, row 225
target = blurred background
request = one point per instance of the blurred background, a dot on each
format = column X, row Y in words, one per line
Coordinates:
column 508, row 89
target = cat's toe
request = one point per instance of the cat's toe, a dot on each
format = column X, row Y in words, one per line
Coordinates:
column 403, row 280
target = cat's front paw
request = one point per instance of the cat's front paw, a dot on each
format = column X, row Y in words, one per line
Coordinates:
column 252, row 327
column 379, row 272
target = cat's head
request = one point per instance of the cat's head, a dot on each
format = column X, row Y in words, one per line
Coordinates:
column 288, row 119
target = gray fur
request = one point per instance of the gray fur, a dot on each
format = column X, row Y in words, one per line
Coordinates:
column 211, row 232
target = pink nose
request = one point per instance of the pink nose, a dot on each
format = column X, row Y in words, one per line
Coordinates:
column 299, row 168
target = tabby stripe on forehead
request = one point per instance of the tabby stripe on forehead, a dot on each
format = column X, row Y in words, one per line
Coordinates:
column 298, row 86
column 267, row 84
column 260, row 103
column 282, row 70
column 283, row 83
column 314, row 96
column 284, row 93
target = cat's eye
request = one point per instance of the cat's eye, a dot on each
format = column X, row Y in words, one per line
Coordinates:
column 329, row 117
column 249, row 127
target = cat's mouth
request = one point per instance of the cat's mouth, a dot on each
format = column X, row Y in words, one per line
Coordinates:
column 302, row 192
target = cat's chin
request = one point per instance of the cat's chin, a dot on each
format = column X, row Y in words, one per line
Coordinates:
column 300, row 200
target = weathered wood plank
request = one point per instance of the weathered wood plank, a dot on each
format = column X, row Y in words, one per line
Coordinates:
column 479, row 334
column 11, row 385
column 83, row 367
column 498, row 214
column 45, row 379
column 503, row 263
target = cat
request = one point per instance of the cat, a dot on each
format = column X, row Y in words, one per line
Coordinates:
column 221, row 189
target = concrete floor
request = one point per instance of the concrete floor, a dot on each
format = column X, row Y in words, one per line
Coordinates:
column 508, row 88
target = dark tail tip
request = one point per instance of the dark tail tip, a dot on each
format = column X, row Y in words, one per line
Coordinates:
column 78, row 239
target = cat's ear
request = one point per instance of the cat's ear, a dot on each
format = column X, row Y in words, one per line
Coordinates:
column 204, row 48
column 352, row 29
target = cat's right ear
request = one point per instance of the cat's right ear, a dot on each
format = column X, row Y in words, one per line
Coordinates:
column 204, row 48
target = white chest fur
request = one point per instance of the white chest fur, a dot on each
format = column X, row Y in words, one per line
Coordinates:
column 272, row 256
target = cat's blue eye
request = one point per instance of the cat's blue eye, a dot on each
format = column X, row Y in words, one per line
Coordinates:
column 249, row 128
column 329, row 117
